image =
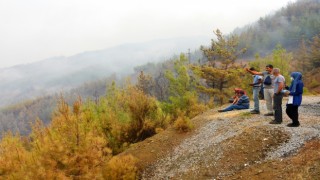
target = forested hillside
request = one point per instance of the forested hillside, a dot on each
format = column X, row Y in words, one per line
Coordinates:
column 18, row 117
column 288, row 26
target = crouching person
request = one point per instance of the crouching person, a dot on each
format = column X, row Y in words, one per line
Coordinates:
column 242, row 103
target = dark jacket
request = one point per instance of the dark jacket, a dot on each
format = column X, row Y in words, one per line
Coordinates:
column 296, row 88
column 243, row 101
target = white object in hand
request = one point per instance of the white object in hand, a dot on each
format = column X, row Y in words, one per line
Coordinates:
column 290, row 100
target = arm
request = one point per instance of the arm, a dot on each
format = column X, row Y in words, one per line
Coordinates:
column 236, row 99
column 299, row 90
column 239, row 101
column 281, row 85
column 253, row 72
column 259, row 82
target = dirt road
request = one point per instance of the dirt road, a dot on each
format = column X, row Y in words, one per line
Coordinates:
column 235, row 145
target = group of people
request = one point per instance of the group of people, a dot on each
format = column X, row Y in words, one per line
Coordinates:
column 274, row 89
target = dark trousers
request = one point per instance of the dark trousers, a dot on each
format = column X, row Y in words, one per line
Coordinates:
column 277, row 106
column 292, row 112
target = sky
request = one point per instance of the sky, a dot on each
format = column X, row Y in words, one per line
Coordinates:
column 33, row 30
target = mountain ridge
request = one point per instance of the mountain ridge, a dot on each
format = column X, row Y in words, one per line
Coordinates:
column 27, row 81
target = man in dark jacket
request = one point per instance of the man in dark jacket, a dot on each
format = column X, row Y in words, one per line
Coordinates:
column 295, row 98
column 242, row 103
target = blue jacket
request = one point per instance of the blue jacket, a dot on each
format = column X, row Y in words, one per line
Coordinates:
column 296, row 88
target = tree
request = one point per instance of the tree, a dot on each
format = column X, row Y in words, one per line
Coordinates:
column 183, row 99
column 314, row 54
column 221, row 74
column 145, row 83
column 161, row 87
column 302, row 60
column 282, row 59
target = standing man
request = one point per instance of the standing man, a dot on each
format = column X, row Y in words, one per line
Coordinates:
column 256, row 85
column 267, row 86
column 278, row 96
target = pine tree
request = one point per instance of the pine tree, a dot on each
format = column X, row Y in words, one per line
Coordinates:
column 183, row 98
column 282, row 59
column 145, row 83
column 314, row 54
column 221, row 74
column 302, row 60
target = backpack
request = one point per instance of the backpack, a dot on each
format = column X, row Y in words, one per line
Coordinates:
column 267, row 81
column 261, row 93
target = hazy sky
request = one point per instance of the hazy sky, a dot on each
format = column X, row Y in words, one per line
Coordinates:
column 32, row 30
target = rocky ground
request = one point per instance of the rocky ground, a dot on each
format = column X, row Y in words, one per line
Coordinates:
column 236, row 145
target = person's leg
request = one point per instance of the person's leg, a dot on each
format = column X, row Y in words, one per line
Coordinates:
column 237, row 107
column 295, row 115
column 277, row 106
column 268, row 96
column 229, row 108
column 233, row 106
column 256, row 98
column 289, row 111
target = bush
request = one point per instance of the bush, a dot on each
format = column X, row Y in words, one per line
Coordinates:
column 121, row 167
column 126, row 115
column 314, row 84
column 72, row 146
column 183, row 124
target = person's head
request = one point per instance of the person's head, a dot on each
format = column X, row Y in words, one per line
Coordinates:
column 269, row 68
column 253, row 69
column 296, row 76
column 236, row 90
column 241, row 93
column 276, row 71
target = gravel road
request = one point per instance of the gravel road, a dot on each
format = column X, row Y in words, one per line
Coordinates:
column 195, row 150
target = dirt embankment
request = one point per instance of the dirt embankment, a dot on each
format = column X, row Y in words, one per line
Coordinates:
column 236, row 145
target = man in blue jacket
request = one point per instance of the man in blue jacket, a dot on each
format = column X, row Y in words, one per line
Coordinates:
column 256, row 86
column 242, row 103
column 295, row 98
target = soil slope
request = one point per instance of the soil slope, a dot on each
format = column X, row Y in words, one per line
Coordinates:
column 236, row 145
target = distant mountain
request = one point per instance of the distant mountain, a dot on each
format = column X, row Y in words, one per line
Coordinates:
column 287, row 26
column 41, row 78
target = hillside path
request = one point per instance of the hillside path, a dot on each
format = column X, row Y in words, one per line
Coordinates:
column 229, row 142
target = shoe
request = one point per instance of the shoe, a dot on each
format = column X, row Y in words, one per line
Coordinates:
column 220, row 111
column 275, row 122
column 268, row 114
column 255, row 112
column 293, row 125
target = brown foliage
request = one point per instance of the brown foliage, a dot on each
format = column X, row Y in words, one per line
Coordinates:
column 182, row 123
column 121, row 167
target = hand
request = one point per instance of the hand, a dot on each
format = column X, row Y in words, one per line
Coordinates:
column 251, row 84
